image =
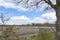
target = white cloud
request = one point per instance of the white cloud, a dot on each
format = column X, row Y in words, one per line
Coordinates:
column 0, row 21
column 45, row 18
column 49, row 17
column 6, row 4
column 18, row 20
column 22, row 18
column 38, row 20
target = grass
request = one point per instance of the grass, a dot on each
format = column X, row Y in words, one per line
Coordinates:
column 44, row 36
column 40, row 36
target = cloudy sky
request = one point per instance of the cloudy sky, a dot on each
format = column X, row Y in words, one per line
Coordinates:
column 19, row 14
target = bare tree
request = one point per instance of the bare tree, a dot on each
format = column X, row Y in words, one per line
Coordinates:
column 3, row 19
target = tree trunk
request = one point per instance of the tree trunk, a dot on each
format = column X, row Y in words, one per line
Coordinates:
column 58, row 20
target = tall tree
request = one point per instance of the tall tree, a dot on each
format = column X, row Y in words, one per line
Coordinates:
column 58, row 20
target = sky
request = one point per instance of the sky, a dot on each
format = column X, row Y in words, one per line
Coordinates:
column 19, row 14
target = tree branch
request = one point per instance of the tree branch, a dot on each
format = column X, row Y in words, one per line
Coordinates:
column 50, row 3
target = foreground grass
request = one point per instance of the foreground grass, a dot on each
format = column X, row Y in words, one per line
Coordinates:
column 44, row 36
column 8, row 34
column 41, row 36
